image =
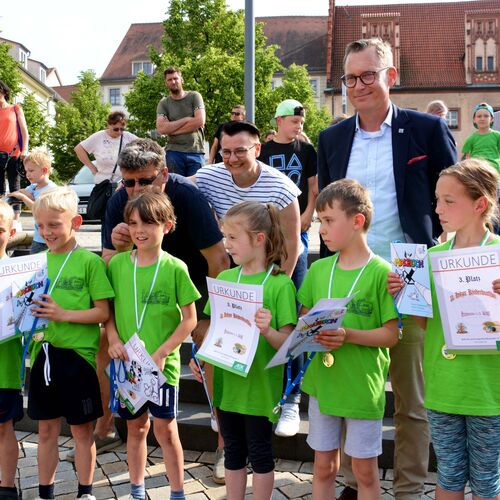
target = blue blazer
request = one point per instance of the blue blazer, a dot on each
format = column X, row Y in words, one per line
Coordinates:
column 422, row 146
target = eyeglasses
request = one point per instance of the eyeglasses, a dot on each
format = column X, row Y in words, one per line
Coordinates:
column 236, row 113
column 239, row 153
column 118, row 129
column 367, row 78
column 130, row 183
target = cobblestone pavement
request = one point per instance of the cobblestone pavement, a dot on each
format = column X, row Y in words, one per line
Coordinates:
column 292, row 479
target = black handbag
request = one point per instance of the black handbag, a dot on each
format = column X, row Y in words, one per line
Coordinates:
column 102, row 192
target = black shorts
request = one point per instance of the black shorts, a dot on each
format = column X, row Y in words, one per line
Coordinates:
column 73, row 391
column 246, row 436
column 11, row 405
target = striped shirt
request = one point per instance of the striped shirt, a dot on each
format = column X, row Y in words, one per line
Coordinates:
column 219, row 188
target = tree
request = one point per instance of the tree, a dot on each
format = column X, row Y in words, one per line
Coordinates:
column 206, row 40
column 74, row 122
column 9, row 70
column 36, row 119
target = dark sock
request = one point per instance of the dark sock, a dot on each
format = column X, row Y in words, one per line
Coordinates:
column 46, row 491
column 138, row 491
column 84, row 489
column 177, row 495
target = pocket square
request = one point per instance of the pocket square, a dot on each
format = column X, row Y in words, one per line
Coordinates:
column 413, row 160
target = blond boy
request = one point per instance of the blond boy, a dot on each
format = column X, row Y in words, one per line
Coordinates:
column 63, row 380
column 38, row 167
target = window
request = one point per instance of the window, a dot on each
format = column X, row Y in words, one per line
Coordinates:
column 479, row 63
column 490, row 63
column 145, row 66
column 43, row 75
column 114, row 97
column 23, row 58
column 452, row 119
column 314, row 86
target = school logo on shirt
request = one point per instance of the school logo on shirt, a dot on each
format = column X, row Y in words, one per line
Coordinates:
column 71, row 283
column 293, row 168
column 158, row 297
column 361, row 307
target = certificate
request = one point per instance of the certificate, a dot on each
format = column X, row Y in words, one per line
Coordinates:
column 470, row 310
column 139, row 379
column 233, row 337
column 327, row 314
column 409, row 261
column 22, row 280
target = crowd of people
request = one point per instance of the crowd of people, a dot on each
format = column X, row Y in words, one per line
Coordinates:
column 384, row 174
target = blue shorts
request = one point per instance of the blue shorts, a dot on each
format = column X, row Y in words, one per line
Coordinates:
column 11, row 405
column 467, row 449
column 169, row 396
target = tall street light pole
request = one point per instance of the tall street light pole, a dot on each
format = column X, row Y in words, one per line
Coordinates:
column 249, row 61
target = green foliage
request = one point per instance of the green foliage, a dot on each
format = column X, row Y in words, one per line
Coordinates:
column 9, row 70
column 36, row 119
column 76, row 121
column 206, row 41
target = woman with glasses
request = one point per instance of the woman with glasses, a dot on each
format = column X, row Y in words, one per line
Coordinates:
column 105, row 145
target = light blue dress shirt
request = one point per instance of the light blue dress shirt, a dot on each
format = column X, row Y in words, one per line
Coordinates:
column 371, row 164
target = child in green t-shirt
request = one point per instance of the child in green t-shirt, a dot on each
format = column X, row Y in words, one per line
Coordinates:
column 485, row 142
column 462, row 391
column 63, row 381
column 347, row 384
column 155, row 298
column 11, row 401
column 254, row 239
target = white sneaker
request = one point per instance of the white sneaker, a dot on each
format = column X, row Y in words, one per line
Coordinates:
column 214, row 424
column 87, row 497
column 289, row 422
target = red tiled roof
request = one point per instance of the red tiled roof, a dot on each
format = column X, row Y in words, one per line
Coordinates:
column 302, row 39
column 65, row 91
column 432, row 40
column 134, row 47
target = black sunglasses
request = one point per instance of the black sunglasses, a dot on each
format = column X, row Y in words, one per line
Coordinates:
column 236, row 113
column 130, row 183
column 118, row 129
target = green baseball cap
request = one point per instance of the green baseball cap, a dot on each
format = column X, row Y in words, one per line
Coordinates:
column 288, row 107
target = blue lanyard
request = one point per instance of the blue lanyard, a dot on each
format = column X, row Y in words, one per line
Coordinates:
column 114, row 380
column 27, row 339
column 203, row 379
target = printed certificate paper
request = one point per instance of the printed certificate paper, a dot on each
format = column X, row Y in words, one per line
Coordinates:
column 22, row 279
column 232, row 339
column 143, row 378
column 409, row 260
column 470, row 310
column 327, row 314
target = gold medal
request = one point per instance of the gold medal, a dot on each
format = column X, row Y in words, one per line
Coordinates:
column 328, row 359
column 38, row 336
column 446, row 354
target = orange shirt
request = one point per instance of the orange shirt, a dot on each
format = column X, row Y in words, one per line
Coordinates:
column 8, row 131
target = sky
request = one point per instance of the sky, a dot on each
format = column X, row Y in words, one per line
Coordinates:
column 76, row 36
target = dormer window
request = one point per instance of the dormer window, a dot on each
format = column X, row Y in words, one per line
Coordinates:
column 43, row 75
column 23, row 58
column 146, row 66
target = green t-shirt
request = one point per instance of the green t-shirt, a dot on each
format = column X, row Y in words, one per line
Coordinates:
column 354, row 387
column 82, row 281
column 175, row 109
column 466, row 385
column 260, row 391
column 486, row 146
column 173, row 289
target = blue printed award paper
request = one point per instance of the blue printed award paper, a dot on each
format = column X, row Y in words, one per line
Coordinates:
column 22, row 279
column 409, row 260
column 470, row 309
column 327, row 314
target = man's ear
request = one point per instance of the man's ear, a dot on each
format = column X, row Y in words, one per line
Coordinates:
column 392, row 74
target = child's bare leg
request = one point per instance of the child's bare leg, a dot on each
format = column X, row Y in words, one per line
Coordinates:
column 167, row 435
column 236, row 484
column 326, row 466
column 9, row 450
column 366, row 473
column 83, row 434
column 48, row 454
column 137, row 447
column 263, row 485
column 209, row 377
column 450, row 495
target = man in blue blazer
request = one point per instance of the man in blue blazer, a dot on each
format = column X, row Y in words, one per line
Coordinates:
column 398, row 154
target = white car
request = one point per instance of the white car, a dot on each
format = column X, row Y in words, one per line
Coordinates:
column 82, row 184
